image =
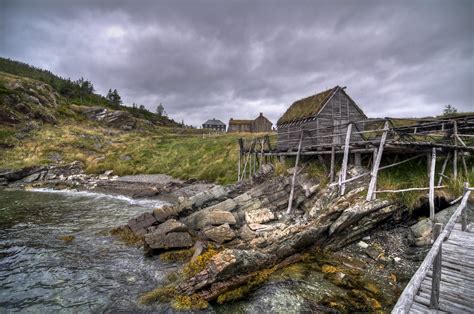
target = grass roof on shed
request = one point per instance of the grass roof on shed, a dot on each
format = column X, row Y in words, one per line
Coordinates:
column 306, row 107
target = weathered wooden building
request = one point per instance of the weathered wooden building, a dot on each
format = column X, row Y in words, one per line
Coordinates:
column 320, row 116
column 214, row 124
column 259, row 124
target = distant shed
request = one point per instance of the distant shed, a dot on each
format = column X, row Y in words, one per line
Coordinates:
column 323, row 114
column 259, row 124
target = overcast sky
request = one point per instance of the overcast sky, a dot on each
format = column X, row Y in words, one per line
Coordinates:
column 205, row 59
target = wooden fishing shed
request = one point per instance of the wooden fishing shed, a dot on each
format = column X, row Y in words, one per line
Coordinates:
column 320, row 116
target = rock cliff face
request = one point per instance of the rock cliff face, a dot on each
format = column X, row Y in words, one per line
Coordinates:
column 249, row 222
column 23, row 99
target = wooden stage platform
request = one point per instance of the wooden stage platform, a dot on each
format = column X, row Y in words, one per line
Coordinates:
column 457, row 277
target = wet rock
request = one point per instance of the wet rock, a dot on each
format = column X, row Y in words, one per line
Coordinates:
column 139, row 224
column 170, row 225
column 246, row 233
column 163, row 213
column 31, row 178
column 14, row 175
column 261, row 215
column 227, row 205
column 171, row 240
column 220, row 234
column 203, row 218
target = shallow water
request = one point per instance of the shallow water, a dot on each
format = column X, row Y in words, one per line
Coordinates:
column 95, row 272
column 39, row 272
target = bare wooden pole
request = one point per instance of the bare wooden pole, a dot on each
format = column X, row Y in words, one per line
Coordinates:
column 375, row 168
column 464, row 165
column 432, row 178
column 332, row 170
column 293, row 180
column 345, row 159
column 464, row 213
column 358, row 159
column 436, row 278
column 443, row 168
column 455, row 160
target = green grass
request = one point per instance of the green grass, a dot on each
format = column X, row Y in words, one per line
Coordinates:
column 185, row 155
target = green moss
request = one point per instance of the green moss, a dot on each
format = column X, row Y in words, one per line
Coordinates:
column 67, row 238
column 241, row 292
column 126, row 235
column 194, row 267
column 177, row 255
column 163, row 294
column 189, row 303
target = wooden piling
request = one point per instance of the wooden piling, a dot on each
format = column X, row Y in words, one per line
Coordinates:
column 432, row 178
column 375, row 168
column 345, row 159
column 443, row 169
column 293, row 180
column 455, row 158
column 436, row 278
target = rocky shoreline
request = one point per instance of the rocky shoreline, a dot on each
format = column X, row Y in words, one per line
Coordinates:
column 235, row 237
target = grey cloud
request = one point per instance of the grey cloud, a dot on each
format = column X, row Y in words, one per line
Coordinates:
column 225, row 59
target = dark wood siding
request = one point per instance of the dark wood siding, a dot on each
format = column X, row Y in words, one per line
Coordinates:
column 332, row 119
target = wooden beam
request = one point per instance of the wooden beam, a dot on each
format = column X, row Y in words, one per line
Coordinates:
column 436, row 279
column 375, row 168
column 464, row 213
column 410, row 189
column 293, row 180
column 345, row 159
column 432, row 178
column 443, row 168
column 357, row 159
column 463, row 159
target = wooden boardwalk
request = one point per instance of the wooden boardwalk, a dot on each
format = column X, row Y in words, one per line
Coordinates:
column 457, row 277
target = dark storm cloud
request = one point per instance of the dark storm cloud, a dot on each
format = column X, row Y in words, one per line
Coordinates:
column 224, row 59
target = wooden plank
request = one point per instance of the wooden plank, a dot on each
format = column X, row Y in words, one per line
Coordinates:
column 345, row 159
column 376, row 165
column 447, row 302
column 293, row 180
column 432, row 178
column 410, row 291
column 434, row 300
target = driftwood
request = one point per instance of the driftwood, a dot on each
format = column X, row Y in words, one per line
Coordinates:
column 345, row 160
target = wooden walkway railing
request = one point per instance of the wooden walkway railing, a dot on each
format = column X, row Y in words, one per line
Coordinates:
column 434, row 261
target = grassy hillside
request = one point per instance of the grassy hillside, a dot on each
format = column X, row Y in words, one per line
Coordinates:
column 185, row 155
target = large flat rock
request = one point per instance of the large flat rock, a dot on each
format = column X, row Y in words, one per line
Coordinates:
column 171, row 240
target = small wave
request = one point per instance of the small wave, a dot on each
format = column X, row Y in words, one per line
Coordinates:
column 129, row 200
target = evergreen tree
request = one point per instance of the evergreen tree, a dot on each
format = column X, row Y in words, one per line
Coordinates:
column 449, row 110
column 160, row 109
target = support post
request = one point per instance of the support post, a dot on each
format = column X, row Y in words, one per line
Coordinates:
column 455, row 160
column 375, row 168
column 432, row 178
column 443, row 168
column 464, row 165
column 358, row 159
column 293, row 180
column 436, row 279
column 332, row 170
column 345, row 159
column 464, row 211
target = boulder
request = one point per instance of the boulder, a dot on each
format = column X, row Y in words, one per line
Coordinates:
column 32, row 177
column 139, row 224
column 258, row 216
column 227, row 205
column 171, row 240
column 220, row 234
column 246, row 233
column 204, row 218
column 163, row 213
column 170, row 225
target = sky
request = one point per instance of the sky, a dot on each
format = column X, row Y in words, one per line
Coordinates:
column 234, row 59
